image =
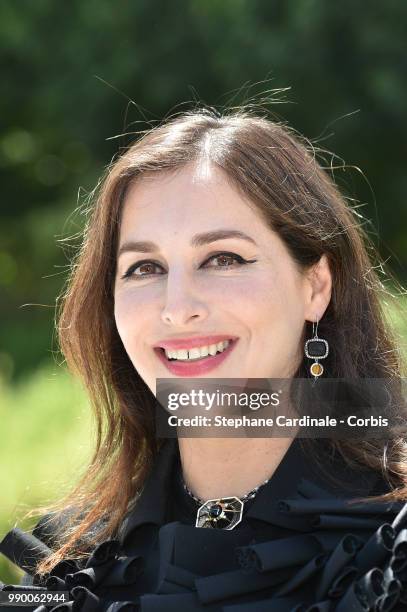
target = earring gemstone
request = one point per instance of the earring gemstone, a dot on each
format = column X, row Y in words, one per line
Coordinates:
column 316, row 348
column 316, row 369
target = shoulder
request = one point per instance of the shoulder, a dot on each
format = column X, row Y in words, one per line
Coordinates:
column 50, row 531
column 52, row 527
column 47, row 530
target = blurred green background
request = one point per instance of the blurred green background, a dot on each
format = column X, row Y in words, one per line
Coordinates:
column 78, row 75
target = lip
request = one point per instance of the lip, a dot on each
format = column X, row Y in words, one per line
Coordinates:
column 193, row 342
column 201, row 366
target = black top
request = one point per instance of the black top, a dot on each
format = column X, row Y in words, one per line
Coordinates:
column 301, row 546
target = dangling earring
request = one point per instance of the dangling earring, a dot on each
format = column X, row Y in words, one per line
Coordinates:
column 316, row 348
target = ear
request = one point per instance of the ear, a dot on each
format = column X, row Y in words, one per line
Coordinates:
column 318, row 290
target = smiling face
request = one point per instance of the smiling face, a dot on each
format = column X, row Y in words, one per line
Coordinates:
column 209, row 275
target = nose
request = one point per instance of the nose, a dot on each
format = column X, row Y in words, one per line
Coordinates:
column 183, row 304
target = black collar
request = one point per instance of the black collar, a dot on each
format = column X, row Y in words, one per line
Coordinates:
column 150, row 506
column 296, row 466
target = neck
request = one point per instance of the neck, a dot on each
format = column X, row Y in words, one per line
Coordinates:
column 225, row 467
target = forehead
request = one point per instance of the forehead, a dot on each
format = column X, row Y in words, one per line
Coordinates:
column 194, row 197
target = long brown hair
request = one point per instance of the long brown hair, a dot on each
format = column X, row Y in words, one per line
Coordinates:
column 279, row 172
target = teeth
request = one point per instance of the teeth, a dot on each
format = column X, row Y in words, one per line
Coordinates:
column 197, row 352
column 213, row 349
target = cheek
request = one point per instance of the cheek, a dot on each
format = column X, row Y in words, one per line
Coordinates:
column 262, row 298
column 132, row 323
column 130, row 316
column 274, row 312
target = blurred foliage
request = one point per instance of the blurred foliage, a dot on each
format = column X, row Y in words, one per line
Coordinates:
column 77, row 74
column 49, row 440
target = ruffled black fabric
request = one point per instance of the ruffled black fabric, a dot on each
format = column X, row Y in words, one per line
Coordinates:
column 310, row 551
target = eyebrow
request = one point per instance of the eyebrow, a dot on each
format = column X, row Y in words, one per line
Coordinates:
column 196, row 241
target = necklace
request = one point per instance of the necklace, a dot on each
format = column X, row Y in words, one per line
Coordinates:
column 222, row 512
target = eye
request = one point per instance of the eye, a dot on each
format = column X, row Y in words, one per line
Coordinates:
column 146, row 268
column 227, row 260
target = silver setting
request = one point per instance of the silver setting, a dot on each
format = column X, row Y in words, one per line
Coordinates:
column 316, row 358
column 237, row 505
column 319, row 356
column 230, row 516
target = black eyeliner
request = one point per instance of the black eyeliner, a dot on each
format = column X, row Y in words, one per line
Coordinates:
column 240, row 260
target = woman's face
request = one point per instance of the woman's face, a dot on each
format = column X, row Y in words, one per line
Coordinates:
column 200, row 275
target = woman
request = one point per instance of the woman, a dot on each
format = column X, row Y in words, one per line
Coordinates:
column 217, row 246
